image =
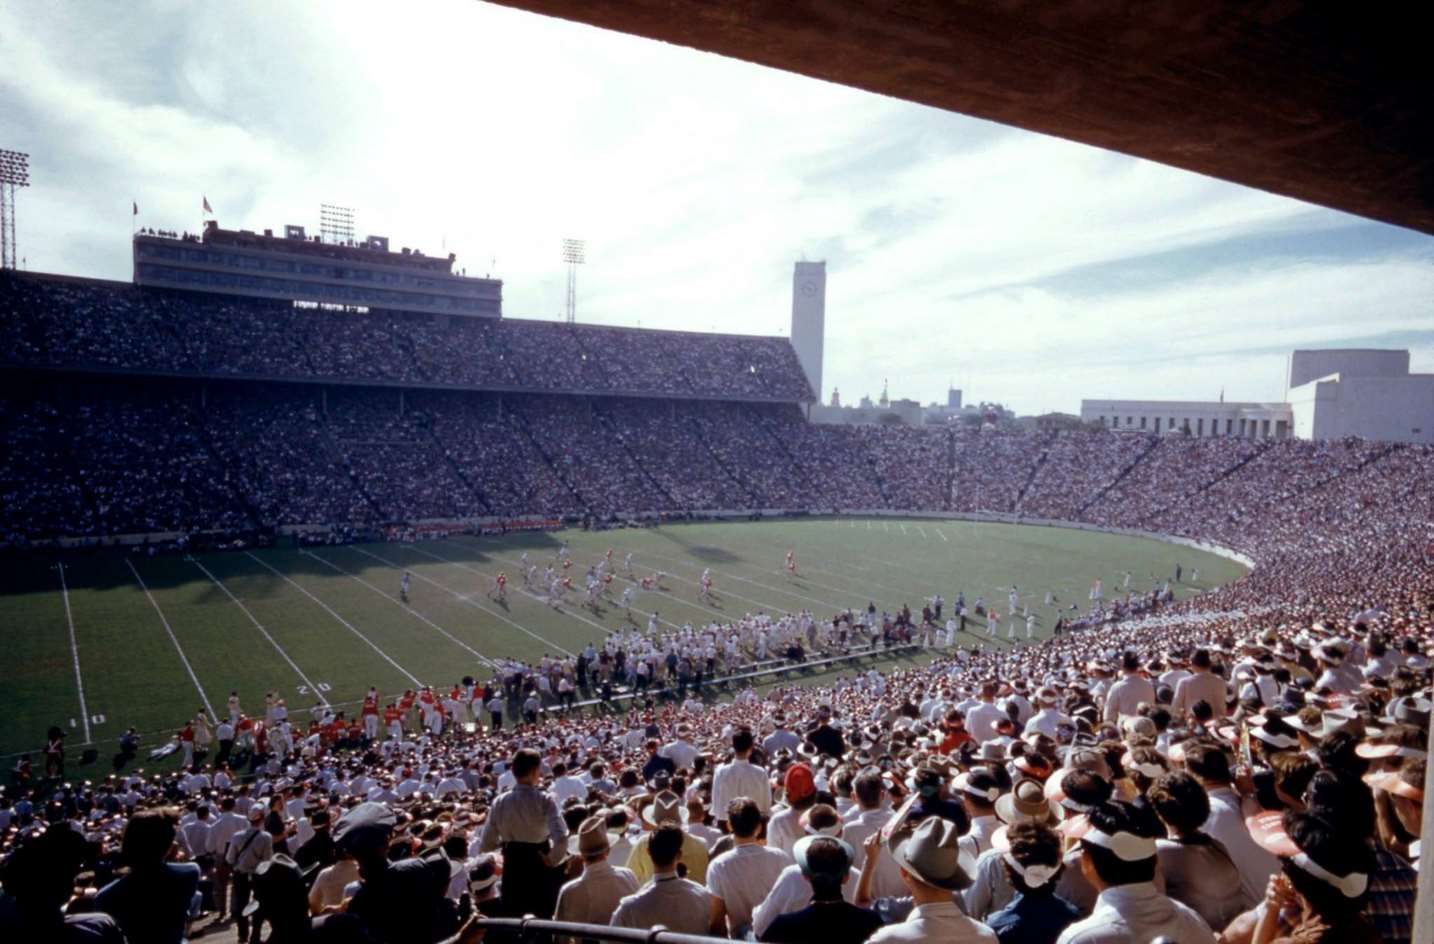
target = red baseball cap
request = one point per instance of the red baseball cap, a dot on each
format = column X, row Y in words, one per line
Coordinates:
column 799, row 783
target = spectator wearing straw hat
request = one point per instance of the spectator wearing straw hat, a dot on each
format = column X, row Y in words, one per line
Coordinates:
column 933, row 868
column 1325, row 882
column 666, row 809
column 593, row 896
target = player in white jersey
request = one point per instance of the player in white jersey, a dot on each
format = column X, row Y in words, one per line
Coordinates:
column 627, row 601
column 1125, row 585
column 403, row 587
column 1013, row 600
column 705, row 591
column 524, row 560
column 791, row 563
column 1097, row 591
column 1195, row 575
column 563, row 550
column 627, row 563
column 652, row 623
column 1030, row 626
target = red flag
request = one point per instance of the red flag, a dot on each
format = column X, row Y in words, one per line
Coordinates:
column 206, row 205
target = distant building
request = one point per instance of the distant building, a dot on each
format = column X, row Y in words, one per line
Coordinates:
column 1331, row 394
column 1191, row 417
column 953, row 399
column 809, row 313
column 1365, row 393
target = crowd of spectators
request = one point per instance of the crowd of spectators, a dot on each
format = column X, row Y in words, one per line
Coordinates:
column 1095, row 786
column 71, row 323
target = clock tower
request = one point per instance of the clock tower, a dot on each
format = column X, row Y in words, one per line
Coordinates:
column 809, row 303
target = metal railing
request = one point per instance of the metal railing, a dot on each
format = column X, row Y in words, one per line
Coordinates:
column 527, row 928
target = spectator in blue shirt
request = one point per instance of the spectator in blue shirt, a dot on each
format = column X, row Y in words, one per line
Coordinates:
column 154, row 900
column 1037, row 915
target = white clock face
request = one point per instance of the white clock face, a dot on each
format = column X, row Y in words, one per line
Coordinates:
column 809, row 289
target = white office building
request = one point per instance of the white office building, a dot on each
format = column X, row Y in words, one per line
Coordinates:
column 1332, row 394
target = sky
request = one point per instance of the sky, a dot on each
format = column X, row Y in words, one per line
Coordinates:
column 1024, row 269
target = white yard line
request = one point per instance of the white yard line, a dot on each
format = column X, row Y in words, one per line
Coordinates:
column 318, row 693
column 938, row 531
column 174, row 639
column 903, row 527
column 463, row 598
column 920, row 530
column 405, row 607
column 75, row 654
column 330, row 610
column 868, row 524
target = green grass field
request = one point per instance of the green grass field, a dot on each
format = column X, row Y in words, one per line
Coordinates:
column 145, row 642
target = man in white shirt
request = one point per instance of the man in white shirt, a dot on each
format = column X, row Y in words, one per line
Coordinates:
column 566, row 785
column 981, row 718
column 739, row 880
column 1118, row 857
column 740, row 778
column 870, row 792
column 1048, row 719
column 1203, row 685
column 680, row 751
column 1211, row 767
column 1126, row 695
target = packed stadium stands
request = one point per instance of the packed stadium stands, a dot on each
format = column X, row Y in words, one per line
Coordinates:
column 126, row 411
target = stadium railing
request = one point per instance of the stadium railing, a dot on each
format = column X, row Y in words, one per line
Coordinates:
column 532, row 929
column 850, row 657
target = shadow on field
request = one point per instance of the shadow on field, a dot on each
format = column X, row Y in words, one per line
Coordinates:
column 710, row 555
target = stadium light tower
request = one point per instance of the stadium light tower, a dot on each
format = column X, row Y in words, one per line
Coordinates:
column 336, row 223
column 14, row 172
column 574, row 254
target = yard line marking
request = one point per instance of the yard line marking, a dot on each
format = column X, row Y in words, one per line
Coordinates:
column 174, row 639
column 260, row 626
column 920, row 530
column 330, row 610
column 884, row 527
column 462, row 598
column 903, row 528
column 527, row 593
column 397, row 602
column 75, row 653
column 938, row 531
column 868, row 524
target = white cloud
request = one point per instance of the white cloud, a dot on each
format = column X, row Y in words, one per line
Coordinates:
column 696, row 180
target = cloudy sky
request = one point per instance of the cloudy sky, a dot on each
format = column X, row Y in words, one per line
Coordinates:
column 1027, row 269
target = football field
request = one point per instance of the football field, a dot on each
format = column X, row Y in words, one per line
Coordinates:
column 105, row 642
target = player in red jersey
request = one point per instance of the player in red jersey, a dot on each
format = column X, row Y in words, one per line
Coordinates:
column 500, row 588
column 393, row 721
column 370, row 714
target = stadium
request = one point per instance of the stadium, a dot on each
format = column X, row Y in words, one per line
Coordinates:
column 356, row 589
